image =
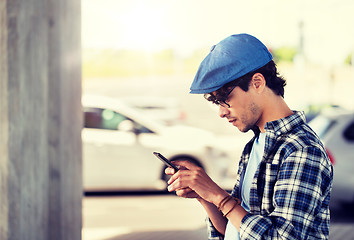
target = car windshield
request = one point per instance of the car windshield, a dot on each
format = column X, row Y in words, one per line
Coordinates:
column 321, row 124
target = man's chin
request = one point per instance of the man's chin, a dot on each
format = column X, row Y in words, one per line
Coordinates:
column 244, row 129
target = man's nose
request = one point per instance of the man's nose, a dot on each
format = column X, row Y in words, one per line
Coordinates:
column 223, row 111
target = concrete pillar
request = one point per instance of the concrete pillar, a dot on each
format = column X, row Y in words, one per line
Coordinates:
column 40, row 120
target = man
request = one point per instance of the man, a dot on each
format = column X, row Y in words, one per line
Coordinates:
column 284, row 179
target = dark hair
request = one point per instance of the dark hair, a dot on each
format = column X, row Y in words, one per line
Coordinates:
column 273, row 80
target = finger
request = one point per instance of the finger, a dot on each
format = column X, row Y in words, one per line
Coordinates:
column 173, row 178
column 185, row 192
column 169, row 171
column 178, row 175
column 179, row 181
column 186, row 164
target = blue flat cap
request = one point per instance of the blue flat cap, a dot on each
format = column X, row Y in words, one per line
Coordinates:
column 228, row 60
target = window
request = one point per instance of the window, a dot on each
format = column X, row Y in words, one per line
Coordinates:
column 349, row 132
column 102, row 118
column 321, row 125
column 108, row 119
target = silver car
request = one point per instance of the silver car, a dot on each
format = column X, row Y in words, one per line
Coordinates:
column 336, row 129
column 118, row 146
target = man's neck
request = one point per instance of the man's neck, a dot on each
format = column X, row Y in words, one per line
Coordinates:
column 274, row 109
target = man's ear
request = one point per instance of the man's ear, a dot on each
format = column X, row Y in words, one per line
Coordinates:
column 258, row 82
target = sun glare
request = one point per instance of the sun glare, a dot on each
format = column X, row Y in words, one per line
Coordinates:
column 145, row 29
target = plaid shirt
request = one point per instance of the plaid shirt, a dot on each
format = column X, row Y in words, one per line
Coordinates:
column 290, row 193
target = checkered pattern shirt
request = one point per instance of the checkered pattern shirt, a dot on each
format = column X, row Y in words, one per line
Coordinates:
column 290, row 192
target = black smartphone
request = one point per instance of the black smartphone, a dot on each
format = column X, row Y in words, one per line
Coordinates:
column 166, row 161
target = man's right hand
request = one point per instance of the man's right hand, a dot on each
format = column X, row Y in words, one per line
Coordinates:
column 182, row 192
column 192, row 181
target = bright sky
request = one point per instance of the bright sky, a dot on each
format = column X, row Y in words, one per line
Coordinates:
column 189, row 24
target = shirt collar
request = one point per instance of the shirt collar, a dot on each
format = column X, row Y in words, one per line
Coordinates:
column 284, row 125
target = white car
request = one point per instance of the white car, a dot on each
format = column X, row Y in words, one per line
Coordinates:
column 164, row 109
column 118, row 146
column 336, row 130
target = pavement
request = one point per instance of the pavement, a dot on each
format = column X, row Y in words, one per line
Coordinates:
column 160, row 216
column 199, row 234
column 337, row 232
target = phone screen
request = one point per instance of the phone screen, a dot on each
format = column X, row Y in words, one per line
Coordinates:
column 166, row 161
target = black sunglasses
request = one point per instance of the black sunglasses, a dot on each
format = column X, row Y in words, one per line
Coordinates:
column 219, row 101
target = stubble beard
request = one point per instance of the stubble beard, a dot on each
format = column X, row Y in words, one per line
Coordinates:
column 251, row 118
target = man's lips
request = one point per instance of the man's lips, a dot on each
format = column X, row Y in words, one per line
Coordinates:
column 232, row 120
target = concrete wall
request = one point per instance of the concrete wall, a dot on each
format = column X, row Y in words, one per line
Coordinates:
column 40, row 120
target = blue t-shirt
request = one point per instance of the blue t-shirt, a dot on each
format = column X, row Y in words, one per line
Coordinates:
column 246, row 181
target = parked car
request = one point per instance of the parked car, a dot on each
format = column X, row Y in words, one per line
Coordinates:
column 336, row 130
column 164, row 109
column 118, row 146
column 312, row 110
